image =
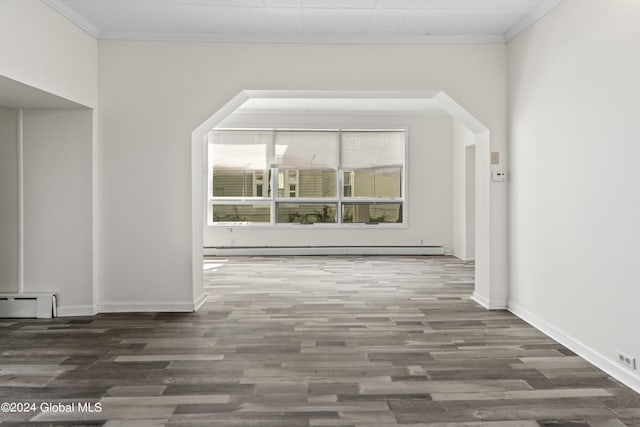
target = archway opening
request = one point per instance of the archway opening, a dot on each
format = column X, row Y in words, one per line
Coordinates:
column 372, row 102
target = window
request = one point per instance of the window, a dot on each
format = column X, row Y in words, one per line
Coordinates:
column 371, row 213
column 307, row 213
column 347, row 183
column 317, row 176
column 238, row 163
column 373, row 162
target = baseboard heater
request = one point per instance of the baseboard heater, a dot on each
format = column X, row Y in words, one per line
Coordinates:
column 322, row 250
column 39, row 305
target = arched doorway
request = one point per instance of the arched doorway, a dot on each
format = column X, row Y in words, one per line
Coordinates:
column 490, row 294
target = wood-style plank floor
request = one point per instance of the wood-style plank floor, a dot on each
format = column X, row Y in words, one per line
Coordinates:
column 309, row 341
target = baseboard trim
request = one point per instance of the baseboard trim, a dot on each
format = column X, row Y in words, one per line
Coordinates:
column 199, row 302
column 462, row 257
column 75, row 310
column 480, row 299
column 486, row 303
column 323, row 250
column 608, row 365
column 145, row 307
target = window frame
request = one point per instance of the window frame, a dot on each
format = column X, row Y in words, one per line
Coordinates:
column 338, row 200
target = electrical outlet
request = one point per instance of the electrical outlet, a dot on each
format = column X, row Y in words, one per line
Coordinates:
column 628, row 361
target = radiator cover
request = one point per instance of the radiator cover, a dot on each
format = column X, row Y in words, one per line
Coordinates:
column 39, row 305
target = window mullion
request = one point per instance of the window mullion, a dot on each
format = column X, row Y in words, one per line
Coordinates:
column 339, row 179
column 274, row 195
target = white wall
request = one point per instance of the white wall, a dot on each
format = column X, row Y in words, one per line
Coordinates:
column 461, row 139
column 58, row 243
column 153, row 94
column 470, row 200
column 8, row 199
column 41, row 48
column 428, row 183
column 574, row 97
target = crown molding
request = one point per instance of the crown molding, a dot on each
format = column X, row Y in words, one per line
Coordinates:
column 73, row 16
column 530, row 19
column 275, row 38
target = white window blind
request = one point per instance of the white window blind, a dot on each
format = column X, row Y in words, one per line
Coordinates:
column 306, row 150
column 372, row 149
column 248, row 150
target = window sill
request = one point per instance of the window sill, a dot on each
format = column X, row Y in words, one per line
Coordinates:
column 356, row 226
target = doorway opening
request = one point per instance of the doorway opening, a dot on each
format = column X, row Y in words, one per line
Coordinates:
column 475, row 166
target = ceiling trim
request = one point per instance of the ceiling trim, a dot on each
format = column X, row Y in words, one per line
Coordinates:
column 346, row 39
column 73, row 16
column 530, row 19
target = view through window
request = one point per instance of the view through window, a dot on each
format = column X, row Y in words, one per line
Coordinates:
column 280, row 176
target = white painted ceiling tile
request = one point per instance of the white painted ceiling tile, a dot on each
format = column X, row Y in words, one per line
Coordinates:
column 395, row 4
column 102, row 15
column 447, row 24
column 381, row 30
column 493, row 4
column 282, row 16
column 388, row 17
column 319, row 30
column 483, row 28
column 282, row 3
column 351, row 30
column 221, row 29
column 479, row 26
column 263, row 18
column 317, row 17
column 432, row 4
column 354, row 17
column 251, row 29
column 250, row 16
column 226, row 3
column 420, row 30
column 421, row 17
column 206, row 19
column 489, row 14
column 288, row 29
column 340, row 4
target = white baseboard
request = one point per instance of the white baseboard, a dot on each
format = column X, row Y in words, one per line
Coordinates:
column 199, row 302
column 486, row 303
column 462, row 257
column 76, row 310
column 480, row 300
column 607, row 364
column 145, row 307
column 324, row 250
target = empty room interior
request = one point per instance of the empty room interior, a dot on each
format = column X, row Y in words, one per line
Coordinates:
column 319, row 213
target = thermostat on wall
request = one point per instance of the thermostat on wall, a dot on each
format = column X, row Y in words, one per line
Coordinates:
column 498, row 176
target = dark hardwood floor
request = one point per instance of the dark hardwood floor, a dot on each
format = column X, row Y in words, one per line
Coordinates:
column 308, row 341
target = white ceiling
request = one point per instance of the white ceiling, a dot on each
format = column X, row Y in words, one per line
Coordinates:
column 363, row 21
